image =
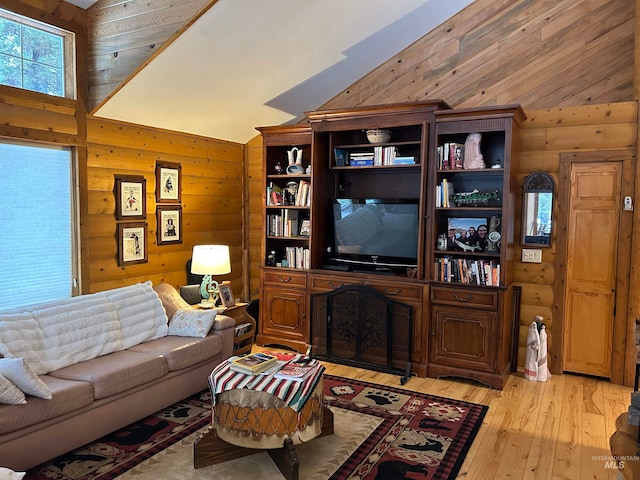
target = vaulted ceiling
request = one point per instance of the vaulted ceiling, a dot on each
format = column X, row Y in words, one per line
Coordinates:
column 233, row 65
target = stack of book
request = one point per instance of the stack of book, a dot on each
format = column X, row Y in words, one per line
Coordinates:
column 253, row 363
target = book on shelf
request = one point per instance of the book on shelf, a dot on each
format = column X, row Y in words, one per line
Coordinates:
column 456, row 155
column 450, row 156
column 463, row 270
column 303, row 195
column 405, row 160
column 253, row 363
column 445, row 194
column 290, row 223
column 340, row 156
column 361, row 162
column 274, row 195
column 295, row 370
column 361, row 159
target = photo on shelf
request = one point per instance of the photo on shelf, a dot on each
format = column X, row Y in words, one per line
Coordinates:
column 467, row 234
column 305, row 228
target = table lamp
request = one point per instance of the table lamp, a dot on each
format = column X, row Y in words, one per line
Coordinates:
column 210, row 260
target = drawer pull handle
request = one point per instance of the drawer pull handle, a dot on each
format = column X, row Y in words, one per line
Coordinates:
column 335, row 285
column 460, row 299
column 389, row 292
column 287, row 280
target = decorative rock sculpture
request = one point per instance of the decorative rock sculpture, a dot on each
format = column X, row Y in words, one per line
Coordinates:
column 473, row 159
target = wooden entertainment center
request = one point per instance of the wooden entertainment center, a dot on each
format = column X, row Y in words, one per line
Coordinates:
column 461, row 294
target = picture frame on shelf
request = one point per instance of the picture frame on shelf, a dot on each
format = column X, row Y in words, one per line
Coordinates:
column 168, row 182
column 305, row 228
column 132, row 243
column 466, row 232
column 131, row 197
column 169, row 224
column 226, row 295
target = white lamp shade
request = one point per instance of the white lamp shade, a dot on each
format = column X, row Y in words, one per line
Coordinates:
column 210, row 260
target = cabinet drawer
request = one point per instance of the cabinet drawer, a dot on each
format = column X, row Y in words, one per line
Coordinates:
column 330, row 283
column 465, row 297
column 398, row 291
column 291, row 279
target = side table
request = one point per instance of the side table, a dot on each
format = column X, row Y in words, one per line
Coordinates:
column 243, row 342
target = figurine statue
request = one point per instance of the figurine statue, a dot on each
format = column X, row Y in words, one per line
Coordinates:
column 473, row 159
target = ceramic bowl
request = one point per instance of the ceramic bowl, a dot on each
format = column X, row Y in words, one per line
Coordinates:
column 378, row 136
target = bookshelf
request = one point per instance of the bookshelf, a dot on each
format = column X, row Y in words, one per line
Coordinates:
column 287, row 235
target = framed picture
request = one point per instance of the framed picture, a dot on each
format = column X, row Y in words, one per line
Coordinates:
column 226, row 296
column 131, row 197
column 132, row 243
column 169, row 224
column 305, row 228
column 168, row 182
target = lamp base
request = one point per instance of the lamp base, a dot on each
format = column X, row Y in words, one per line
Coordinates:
column 206, row 304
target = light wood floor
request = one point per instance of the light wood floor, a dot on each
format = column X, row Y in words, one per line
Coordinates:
column 555, row 430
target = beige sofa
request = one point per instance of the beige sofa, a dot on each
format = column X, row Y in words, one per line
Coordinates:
column 119, row 374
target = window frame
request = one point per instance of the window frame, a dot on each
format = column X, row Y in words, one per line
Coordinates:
column 68, row 51
column 74, row 215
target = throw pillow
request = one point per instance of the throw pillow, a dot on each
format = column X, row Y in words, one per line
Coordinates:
column 8, row 474
column 188, row 322
column 9, row 393
column 22, row 376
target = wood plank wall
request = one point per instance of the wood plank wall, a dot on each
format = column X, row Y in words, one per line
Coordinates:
column 123, row 36
column 212, row 200
column 538, row 53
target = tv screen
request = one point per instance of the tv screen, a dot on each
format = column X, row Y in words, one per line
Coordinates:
column 374, row 231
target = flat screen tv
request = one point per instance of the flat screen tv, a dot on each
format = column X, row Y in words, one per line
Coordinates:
column 376, row 231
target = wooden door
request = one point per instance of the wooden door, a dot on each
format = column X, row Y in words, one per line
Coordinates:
column 592, row 250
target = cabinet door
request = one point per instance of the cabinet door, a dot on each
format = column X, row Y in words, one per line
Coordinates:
column 463, row 338
column 284, row 314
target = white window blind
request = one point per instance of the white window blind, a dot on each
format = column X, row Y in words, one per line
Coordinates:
column 36, row 221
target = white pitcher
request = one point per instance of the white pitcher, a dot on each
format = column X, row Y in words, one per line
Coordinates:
column 295, row 156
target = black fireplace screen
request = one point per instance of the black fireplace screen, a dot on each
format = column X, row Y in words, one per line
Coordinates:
column 355, row 325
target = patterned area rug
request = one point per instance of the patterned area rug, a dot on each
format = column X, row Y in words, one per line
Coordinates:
column 381, row 433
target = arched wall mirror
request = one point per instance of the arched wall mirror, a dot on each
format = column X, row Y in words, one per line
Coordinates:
column 537, row 205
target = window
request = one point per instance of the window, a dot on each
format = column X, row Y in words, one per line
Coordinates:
column 36, row 56
column 38, row 242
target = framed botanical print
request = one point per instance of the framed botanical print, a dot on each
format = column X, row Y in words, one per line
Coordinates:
column 131, row 197
column 169, row 228
column 132, row 243
column 168, row 182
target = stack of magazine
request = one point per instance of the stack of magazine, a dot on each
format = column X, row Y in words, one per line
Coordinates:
column 297, row 370
column 253, row 363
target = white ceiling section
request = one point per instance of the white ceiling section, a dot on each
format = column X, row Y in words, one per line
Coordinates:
column 248, row 63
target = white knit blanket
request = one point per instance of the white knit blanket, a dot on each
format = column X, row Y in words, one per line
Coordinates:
column 55, row 335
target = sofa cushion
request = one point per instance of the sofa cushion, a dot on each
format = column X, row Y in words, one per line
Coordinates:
column 116, row 372
column 22, row 376
column 9, row 393
column 182, row 352
column 67, row 396
column 189, row 322
column 170, row 298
